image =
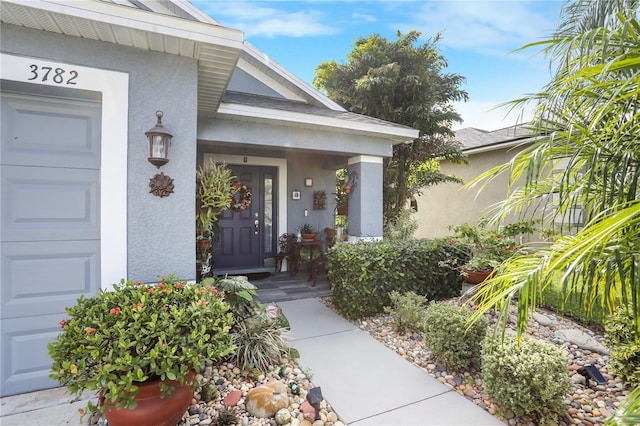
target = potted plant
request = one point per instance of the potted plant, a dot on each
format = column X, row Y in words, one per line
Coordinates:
column 307, row 231
column 122, row 342
column 488, row 248
column 215, row 191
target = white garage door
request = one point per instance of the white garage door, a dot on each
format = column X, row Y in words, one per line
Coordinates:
column 49, row 222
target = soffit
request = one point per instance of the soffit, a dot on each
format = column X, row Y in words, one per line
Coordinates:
column 216, row 48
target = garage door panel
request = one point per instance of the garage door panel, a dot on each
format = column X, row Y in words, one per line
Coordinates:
column 22, row 336
column 49, row 204
column 36, row 131
column 46, row 278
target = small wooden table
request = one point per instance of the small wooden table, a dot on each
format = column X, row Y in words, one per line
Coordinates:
column 311, row 247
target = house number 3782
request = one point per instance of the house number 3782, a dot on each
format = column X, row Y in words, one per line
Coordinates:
column 57, row 75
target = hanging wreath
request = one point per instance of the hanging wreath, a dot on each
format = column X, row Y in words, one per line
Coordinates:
column 241, row 200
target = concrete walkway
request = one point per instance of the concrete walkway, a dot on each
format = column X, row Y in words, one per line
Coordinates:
column 365, row 382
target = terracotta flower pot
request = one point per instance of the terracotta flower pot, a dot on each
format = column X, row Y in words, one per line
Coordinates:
column 308, row 237
column 204, row 244
column 476, row 277
column 151, row 408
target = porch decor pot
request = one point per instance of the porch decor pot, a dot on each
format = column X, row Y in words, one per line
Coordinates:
column 116, row 342
column 476, row 276
column 152, row 409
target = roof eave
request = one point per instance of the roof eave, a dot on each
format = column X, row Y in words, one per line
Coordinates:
column 238, row 111
column 216, row 48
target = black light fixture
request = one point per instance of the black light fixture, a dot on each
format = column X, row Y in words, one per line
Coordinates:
column 591, row 372
column 314, row 396
column 159, row 141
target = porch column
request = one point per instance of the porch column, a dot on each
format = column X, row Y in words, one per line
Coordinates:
column 365, row 199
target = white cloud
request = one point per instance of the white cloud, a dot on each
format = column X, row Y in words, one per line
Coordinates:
column 488, row 27
column 255, row 20
column 485, row 115
column 362, row 17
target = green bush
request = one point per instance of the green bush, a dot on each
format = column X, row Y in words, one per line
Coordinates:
column 259, row 334
column 260, row 343
column 623, row 340
column 447, row 335
column 363, row 275
column 407, row 311
column 529, row 378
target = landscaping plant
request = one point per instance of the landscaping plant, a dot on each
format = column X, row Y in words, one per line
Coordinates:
column 623, row 341
column 529, row 377
column 407, row 311
column 363, row 275
column 447, row 335
column 117, row 339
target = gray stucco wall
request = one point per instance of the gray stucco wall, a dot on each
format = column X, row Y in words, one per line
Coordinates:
column 161, row 231
column 301, row 167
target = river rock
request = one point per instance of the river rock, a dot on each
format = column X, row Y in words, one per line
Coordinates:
column 264, row 401
column 582, row 340
column 543, row 319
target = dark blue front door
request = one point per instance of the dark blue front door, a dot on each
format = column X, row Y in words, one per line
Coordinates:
column 247, row 238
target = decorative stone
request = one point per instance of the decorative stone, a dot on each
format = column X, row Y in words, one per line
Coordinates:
column 264, row 401
column 332, row 417
column 232, row 399
column 582, row 340
column 543, row 319
column 307, row 408
column 578, row 379
column 283, row 416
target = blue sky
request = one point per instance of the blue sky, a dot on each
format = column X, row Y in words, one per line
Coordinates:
column 477, row 38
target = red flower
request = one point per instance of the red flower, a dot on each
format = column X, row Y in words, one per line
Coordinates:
column 138, row 282
column 91, row 330
column 150, row 291
column 216, row 292
column 161, row 285
column 453, row 241
column 63, row 322
column 179, row 286
column 201, row 303
column 114, row 311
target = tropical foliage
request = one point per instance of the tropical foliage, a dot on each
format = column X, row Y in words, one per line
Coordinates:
column 403, row 83
column 586, row 158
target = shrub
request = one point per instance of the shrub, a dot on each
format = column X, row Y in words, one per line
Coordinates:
column 261, row 343
column 526, row 378
column 259, row 333
column 447, row 335
column 363, row 275
column 403, row 228
column 407, row 311
column 623, row 340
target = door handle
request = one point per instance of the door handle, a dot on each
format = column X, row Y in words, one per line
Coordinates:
column 256, row 224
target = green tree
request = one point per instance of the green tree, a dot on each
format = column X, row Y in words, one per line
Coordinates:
column 586, row 156
column 404, row 83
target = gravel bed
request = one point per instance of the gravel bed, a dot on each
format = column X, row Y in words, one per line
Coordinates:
column 585, row 405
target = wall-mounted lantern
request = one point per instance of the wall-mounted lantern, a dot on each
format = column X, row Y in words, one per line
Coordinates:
column 159, row 141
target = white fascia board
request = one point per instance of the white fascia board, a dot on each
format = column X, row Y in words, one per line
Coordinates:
column 263, row 58
column 194, row 11
column 128, row 17
column 495, row 147
column 263, row 78
column 299, row 119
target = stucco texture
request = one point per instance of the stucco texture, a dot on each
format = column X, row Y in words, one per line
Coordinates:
column 450, row 204
column 161, row 231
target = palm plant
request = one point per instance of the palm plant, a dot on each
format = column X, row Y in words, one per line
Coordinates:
column 586, row 125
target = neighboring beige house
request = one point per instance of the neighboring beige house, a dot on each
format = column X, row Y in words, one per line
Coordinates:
column 451, row 204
